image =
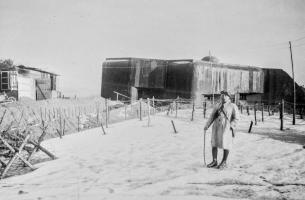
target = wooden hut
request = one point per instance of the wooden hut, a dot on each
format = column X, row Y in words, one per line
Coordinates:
column 21, row 81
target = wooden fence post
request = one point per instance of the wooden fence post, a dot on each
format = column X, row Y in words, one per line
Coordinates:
column 168, row 109
column 60, row 125
column 140, row 109
column 148, row 108
column 64, row 127
column 106, row 112
column 54, row 113
column 262, row 112
column 255, row 114
column 250, row 128
column 176, row 104
column 174, row 126
column 103, row 128
column 193, row 110
column 282, row 114
column 153, row 104
column 78, row 123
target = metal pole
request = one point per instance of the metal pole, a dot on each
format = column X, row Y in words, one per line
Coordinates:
column 294, row 95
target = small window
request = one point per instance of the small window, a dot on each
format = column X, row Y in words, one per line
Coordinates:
column 5, row 84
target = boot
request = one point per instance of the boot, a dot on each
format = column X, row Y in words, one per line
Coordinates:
column 223, row 163
column 214, row 155
column 212, row 164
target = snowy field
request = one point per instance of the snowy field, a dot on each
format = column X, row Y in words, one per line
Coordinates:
column 134, row 161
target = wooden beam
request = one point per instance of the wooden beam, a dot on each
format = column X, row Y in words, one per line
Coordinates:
column 17, row 155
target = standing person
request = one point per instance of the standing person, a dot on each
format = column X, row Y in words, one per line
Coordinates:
column 224, row 118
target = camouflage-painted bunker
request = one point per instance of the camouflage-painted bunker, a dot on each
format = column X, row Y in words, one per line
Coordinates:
column 143, row 78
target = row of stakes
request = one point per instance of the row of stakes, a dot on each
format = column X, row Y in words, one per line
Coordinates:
column 281, row 110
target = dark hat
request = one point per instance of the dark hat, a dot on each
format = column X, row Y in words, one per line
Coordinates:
column 225, row 93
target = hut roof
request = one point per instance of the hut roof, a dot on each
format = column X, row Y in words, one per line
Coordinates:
column 35, row 69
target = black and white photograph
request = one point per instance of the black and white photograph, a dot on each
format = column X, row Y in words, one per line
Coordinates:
column 152, row 99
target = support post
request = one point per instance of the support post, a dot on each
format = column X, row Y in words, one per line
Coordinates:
column 255, row 114
column 78, row 123
column 262, row 112
column 250, row 128
column 140, row 109
column 174, row 126
column 106, row 114
column 103, row 128
column 192, row 119
column 176, row 104
column 148, row 108
column 282, row 115
column 153, row 104
column 204, row 108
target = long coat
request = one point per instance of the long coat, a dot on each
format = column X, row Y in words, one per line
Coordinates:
column 221, row 132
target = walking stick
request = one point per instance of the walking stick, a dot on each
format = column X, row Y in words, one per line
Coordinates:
column 204, row 147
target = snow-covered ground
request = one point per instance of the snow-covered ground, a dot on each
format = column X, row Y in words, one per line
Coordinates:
column 134, row 161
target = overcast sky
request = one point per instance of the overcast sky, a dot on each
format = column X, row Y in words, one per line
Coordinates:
column 73, row 37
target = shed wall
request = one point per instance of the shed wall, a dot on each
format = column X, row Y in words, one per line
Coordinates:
column 26, row 87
